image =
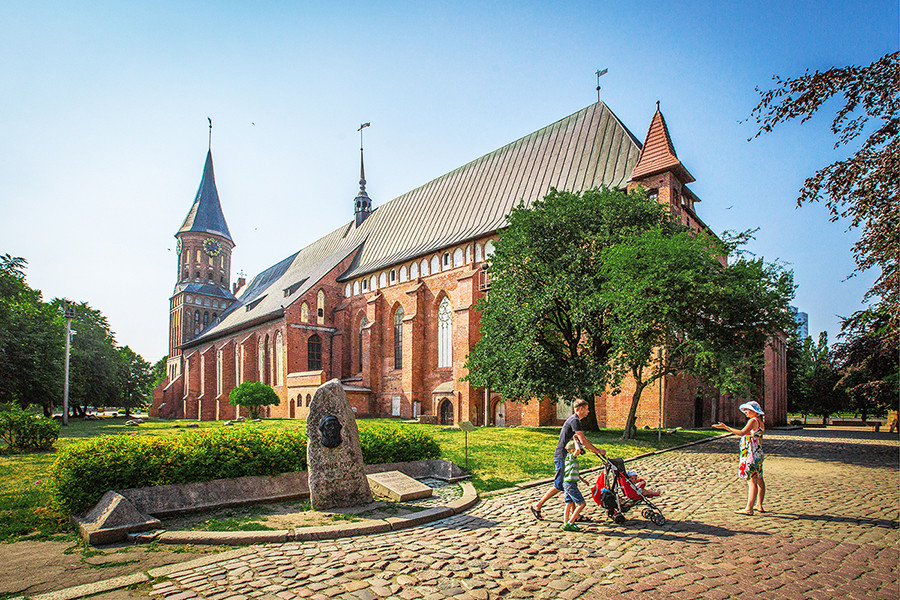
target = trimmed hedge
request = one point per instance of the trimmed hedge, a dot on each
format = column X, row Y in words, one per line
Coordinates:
column 26, row 431
column 85, row 470
column 387, row 444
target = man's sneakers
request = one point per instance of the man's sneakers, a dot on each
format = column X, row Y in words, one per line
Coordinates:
column 570, row 527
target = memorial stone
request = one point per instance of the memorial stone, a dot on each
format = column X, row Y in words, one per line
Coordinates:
column 337, row 477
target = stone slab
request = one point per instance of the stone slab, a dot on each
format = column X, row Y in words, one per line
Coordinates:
column 398, row 486
column 112, row 519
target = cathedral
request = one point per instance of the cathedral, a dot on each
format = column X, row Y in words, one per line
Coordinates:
column 386, row 302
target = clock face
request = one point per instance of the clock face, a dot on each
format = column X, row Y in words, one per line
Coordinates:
column 178, row 246
column 212, row 247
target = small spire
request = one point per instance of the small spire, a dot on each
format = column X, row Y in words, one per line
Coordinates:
column 657, row 106
column 210, row 132
column 362, row 204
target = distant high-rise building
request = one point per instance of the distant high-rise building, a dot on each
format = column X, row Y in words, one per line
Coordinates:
column 802, row 320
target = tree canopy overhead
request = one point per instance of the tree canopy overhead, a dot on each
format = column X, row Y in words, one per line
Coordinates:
column 585, row 286
column 863, row 187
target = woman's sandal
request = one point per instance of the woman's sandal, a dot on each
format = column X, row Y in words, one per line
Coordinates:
column 536, row 512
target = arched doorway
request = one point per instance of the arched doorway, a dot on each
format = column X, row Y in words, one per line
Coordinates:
column 500, row 414
column 446, row 412
column 698, row 412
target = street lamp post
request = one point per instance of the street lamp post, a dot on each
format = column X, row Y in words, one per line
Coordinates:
column 69, row 313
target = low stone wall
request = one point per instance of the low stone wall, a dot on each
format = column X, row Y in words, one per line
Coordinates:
column 139, row 506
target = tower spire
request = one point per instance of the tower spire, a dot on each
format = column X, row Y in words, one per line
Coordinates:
column 362, row 204
column 209, row 147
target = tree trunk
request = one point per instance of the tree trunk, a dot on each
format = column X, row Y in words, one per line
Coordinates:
column 589, row 423
column 630, row 428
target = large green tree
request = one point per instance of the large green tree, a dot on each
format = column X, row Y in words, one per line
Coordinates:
column 867, row 362
column 674, row 308
column 862, row 187
column 544, row 329
column 31, row 341
column 95, row 366
column 813, row 377
column 137, row 379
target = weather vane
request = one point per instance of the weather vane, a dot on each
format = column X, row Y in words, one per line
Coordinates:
column 361, row 127
column 210, row 131
column 599, row 75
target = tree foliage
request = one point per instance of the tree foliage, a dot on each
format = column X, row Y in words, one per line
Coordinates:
column 585, row 287
column 31, row 340
column 863, row 187
column 813, row 377
column 137, row 379
column 867, row 361
column 543, row 325
column 675, row 308
column 253, row 395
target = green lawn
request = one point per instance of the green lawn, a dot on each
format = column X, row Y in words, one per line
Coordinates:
column 499, row 457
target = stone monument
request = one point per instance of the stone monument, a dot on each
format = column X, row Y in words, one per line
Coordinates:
column 337, row 477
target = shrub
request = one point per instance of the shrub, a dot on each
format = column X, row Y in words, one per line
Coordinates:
column 254, row 395
column 387, row 444
column 22, row 430
column 85, row 470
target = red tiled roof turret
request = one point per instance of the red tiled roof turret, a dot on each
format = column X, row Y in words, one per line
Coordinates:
column 658, row 154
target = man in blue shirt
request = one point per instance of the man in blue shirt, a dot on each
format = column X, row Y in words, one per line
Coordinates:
column 570, row 429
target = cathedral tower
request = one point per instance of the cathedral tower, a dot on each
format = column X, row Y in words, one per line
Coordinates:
column 204, row 248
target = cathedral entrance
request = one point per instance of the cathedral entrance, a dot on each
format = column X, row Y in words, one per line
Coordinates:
column 446, row 412
column 500, row 414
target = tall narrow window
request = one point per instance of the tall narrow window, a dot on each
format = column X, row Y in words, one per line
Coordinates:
column 279, row 359
column 267, row 363
column 398, row 338
column 362, row 327
column 304, row 312
column 220, row 357
column 320, row 308
column 445, row 334
column 314, row 353
column 260, row 360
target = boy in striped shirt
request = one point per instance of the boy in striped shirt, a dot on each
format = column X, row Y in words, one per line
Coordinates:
column 574, row 500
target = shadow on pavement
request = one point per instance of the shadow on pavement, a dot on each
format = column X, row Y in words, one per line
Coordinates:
column 690, row 532
column 883, row 523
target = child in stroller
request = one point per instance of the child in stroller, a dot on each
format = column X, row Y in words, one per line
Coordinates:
column 615, row 492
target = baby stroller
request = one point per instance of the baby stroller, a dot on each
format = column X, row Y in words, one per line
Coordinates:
column 614, row 492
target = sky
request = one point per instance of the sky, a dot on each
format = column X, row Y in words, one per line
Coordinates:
column 105, row 104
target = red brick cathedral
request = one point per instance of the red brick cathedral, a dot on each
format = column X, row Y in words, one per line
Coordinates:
column 386, row 302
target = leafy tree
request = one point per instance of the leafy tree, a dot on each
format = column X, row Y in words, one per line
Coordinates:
column 137, row 379
column 159, row 372
column 867, row 363
column 254, row 395
column 544, row 329
column 95, row 366
column 31, row 341
column 862, row 187
column 670, row 292
column 813, row 379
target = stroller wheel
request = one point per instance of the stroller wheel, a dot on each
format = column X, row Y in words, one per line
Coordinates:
column 658, row 519
column 619, row 518
column 648, row 513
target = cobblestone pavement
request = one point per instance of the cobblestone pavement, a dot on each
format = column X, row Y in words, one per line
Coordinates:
column 831, row 531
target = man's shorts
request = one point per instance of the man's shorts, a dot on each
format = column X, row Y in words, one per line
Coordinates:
column 573, row 494
column 557, row 482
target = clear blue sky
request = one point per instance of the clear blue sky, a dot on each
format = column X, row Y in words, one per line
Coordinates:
column 104, row 110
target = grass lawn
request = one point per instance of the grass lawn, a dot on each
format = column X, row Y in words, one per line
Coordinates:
column 499, row 457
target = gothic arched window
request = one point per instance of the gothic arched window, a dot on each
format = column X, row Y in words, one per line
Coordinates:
column 314, row 353
column 398, row 338
column 320, row 308
column 279, row 359
column 362, row 327
column 304, row 312
column 445, row 334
